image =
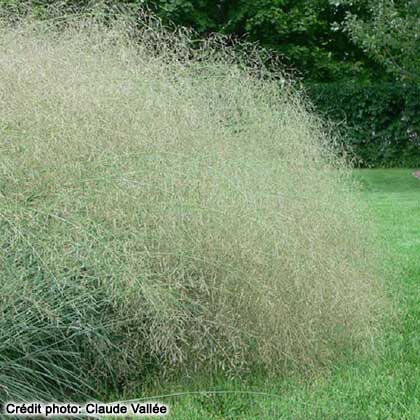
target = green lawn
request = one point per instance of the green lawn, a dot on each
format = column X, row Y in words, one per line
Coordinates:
column 387, row 387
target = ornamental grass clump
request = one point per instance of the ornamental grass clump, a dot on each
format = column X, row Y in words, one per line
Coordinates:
column 167, row 207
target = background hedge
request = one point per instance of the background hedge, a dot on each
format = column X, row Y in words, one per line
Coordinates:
column 379, row 121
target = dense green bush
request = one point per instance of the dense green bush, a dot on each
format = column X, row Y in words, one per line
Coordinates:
column 380, row 122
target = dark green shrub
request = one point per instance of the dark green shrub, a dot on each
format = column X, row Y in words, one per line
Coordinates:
column 380, row 122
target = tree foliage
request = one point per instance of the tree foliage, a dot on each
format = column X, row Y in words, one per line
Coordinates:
column 388, row 33
column 299, row 32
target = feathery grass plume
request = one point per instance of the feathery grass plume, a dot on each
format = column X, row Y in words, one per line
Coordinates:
column 171, row 207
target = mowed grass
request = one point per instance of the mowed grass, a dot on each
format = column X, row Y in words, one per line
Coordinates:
column 386, row 387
